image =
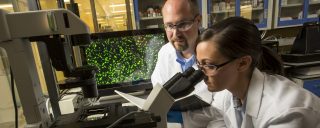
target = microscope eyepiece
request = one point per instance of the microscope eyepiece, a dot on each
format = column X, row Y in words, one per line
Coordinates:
column 196, row 77
column 183, row 84
column 188, row 72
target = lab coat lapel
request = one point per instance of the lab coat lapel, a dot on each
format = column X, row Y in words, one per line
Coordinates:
column 232, row 116
column 253, row 100
column 177, row 67
column 254, row 96
column 247, row 122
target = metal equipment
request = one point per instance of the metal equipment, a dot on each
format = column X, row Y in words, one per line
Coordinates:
column 162, row 98
column 18, row 30
column 56, row 32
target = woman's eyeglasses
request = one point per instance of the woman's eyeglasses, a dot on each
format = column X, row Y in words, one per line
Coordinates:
column 211, row 68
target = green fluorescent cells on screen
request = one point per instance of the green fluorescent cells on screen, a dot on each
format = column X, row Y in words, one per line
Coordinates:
column 124, row 59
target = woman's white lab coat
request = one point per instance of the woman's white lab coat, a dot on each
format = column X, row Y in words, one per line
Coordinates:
column 166, row 67
column 272, row 102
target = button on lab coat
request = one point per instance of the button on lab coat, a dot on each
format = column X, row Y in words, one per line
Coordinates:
column 272, row 102
column 166, row 67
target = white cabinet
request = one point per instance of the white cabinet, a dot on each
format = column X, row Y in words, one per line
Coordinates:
column 259, row 11
column 295, row 12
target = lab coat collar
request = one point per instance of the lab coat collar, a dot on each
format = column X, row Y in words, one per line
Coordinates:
column 176, row 65
column 254, row 95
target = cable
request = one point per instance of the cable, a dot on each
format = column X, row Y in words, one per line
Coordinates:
column 120, row 119
column 48, row 106
column 263, row 34
column 66, row 92
column 272, row 37
column 14, row 99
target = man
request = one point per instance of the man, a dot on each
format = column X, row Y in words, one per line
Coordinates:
column 181, row 22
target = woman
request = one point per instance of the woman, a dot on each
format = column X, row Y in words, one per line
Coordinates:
column 253, row 94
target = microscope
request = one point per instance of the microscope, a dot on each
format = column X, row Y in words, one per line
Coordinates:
column 161, row 98
column 52, row 30
column 57, row 33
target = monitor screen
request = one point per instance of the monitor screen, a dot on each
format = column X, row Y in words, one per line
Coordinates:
column 124, row 56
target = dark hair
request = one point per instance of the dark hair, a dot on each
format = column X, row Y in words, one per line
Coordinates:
column 237, row 37
column 194, row 8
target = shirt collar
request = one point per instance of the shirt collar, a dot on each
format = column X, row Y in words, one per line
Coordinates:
column 185, row 63
column 183, row 60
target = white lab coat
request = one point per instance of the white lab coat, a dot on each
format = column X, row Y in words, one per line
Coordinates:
column 272, row 101
column 166, row 67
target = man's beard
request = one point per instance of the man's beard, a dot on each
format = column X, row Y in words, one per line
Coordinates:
column 180, row 46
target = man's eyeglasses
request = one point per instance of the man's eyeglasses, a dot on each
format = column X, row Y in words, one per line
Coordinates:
column 211, row 68
column 182, row 26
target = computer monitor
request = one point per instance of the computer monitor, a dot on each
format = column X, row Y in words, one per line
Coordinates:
column 308, row 39
column 125, row 59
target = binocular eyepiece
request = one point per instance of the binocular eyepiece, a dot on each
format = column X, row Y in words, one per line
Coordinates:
column 182, row 84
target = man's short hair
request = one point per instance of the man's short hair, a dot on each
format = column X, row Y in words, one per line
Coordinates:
column 193, row 5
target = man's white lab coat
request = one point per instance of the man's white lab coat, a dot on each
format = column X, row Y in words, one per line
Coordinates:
column 166, row 67
column 272, row 102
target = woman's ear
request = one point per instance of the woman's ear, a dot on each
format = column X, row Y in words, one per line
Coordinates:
column 244, row 63
column 199, row 19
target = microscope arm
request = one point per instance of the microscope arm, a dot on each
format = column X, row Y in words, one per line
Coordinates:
column 17, row 31
column 162, row 97
column 40, row 23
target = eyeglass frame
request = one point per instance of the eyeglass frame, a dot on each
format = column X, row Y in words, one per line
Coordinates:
column 175, row 26
column 217, row 66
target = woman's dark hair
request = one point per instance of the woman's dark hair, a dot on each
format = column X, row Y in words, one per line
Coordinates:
column 237, row 37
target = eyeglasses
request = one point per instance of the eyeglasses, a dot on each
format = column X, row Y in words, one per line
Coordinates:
column 211, row 68
column 182, row 26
